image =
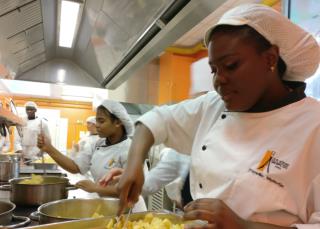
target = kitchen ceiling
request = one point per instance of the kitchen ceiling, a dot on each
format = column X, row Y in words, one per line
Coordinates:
column 114, row 37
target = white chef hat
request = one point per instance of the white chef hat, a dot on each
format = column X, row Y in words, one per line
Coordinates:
column 91, row 119
column 118, row 110
column 297, row 48
column 31, row 104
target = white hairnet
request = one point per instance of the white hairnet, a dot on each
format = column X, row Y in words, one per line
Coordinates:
column 91, row 119
column 121, row 113
column 31, row 104
column 297, row 48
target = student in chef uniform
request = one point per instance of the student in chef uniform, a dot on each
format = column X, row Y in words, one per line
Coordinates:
column 254, row 141
column 27, row 142
column 89, row 139
column 114, row 127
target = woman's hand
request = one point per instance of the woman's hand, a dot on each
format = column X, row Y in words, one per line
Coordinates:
column 43, row 143
column 87, row 185
column 130, row 183
column 216, row 212
column 112, row 177
column 130, row 186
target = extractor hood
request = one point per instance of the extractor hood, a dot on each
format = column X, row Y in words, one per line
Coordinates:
column 118, row 37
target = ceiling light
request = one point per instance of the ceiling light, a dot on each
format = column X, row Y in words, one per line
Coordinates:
column 61, row 75
column 69, row 14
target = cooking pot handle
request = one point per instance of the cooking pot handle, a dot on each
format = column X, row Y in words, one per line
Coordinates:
column 35, row 216
column 71, row 187
column 5, row 187
column 25, row 221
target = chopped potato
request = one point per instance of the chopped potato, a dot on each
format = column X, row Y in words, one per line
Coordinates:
column 149, row 222
column 35, row 179
column 96, row 213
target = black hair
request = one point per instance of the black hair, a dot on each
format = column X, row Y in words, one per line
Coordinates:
column 261, row 43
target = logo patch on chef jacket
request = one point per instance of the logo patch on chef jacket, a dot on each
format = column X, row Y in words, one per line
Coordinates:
column 270, row 160
column 112, row 163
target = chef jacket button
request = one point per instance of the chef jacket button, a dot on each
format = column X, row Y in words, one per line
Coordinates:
column 204, row 147
column 223, row 116
column 200, row 185
column 98, row 148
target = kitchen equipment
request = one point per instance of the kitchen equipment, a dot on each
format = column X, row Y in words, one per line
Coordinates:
column 9, row 166
column 52, row 188
column 44, row 165
column 100, row 223
column 6, row 216
column 73, row 209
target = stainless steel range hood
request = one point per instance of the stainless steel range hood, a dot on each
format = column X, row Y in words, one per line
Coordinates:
column 118, row 37
column 179, row 18
column 114, row 39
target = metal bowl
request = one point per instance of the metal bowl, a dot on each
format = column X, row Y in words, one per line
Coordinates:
column 47, row 166
column 72, row 209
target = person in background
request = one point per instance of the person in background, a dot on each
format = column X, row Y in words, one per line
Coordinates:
column 26, row 143
column 254, row 141
column 4, row 139
column 89, row 139
column 114, row 126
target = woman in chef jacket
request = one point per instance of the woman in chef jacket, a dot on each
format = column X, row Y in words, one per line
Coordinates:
column 114, row 127
column 254, row 141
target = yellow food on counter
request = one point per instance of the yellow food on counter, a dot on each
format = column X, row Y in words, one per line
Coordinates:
column 149, row 222
column 35, row 179
column 47, row 159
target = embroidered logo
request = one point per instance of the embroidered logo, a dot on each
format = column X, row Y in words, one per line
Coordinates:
column 270, row 159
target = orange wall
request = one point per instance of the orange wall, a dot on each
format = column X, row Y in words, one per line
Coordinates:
column 75, row 112
column 175, row 76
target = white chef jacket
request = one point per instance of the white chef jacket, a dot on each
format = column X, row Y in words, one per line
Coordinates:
column 264, row 166
column 28, row 142
column 84, row 141
column 100, row 158
column 170, row 172
column 5, row 142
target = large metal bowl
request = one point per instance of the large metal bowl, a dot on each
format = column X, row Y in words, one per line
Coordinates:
column 52, row 188
column 72, row 209
column 6, row 216
column 100, row 223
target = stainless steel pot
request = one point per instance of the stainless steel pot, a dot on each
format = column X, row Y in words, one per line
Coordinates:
column 52, row 188
column 6, row 216
column 9, row 166
column 73, row 209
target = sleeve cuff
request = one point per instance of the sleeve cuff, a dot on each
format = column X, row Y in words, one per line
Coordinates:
column 155, row 123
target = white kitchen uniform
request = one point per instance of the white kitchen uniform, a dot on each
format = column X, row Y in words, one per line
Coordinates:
column 5, row 142
column 85, row 141
column 170, row 172
column 100, row 158
column 264, row 166
column 28, row 141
